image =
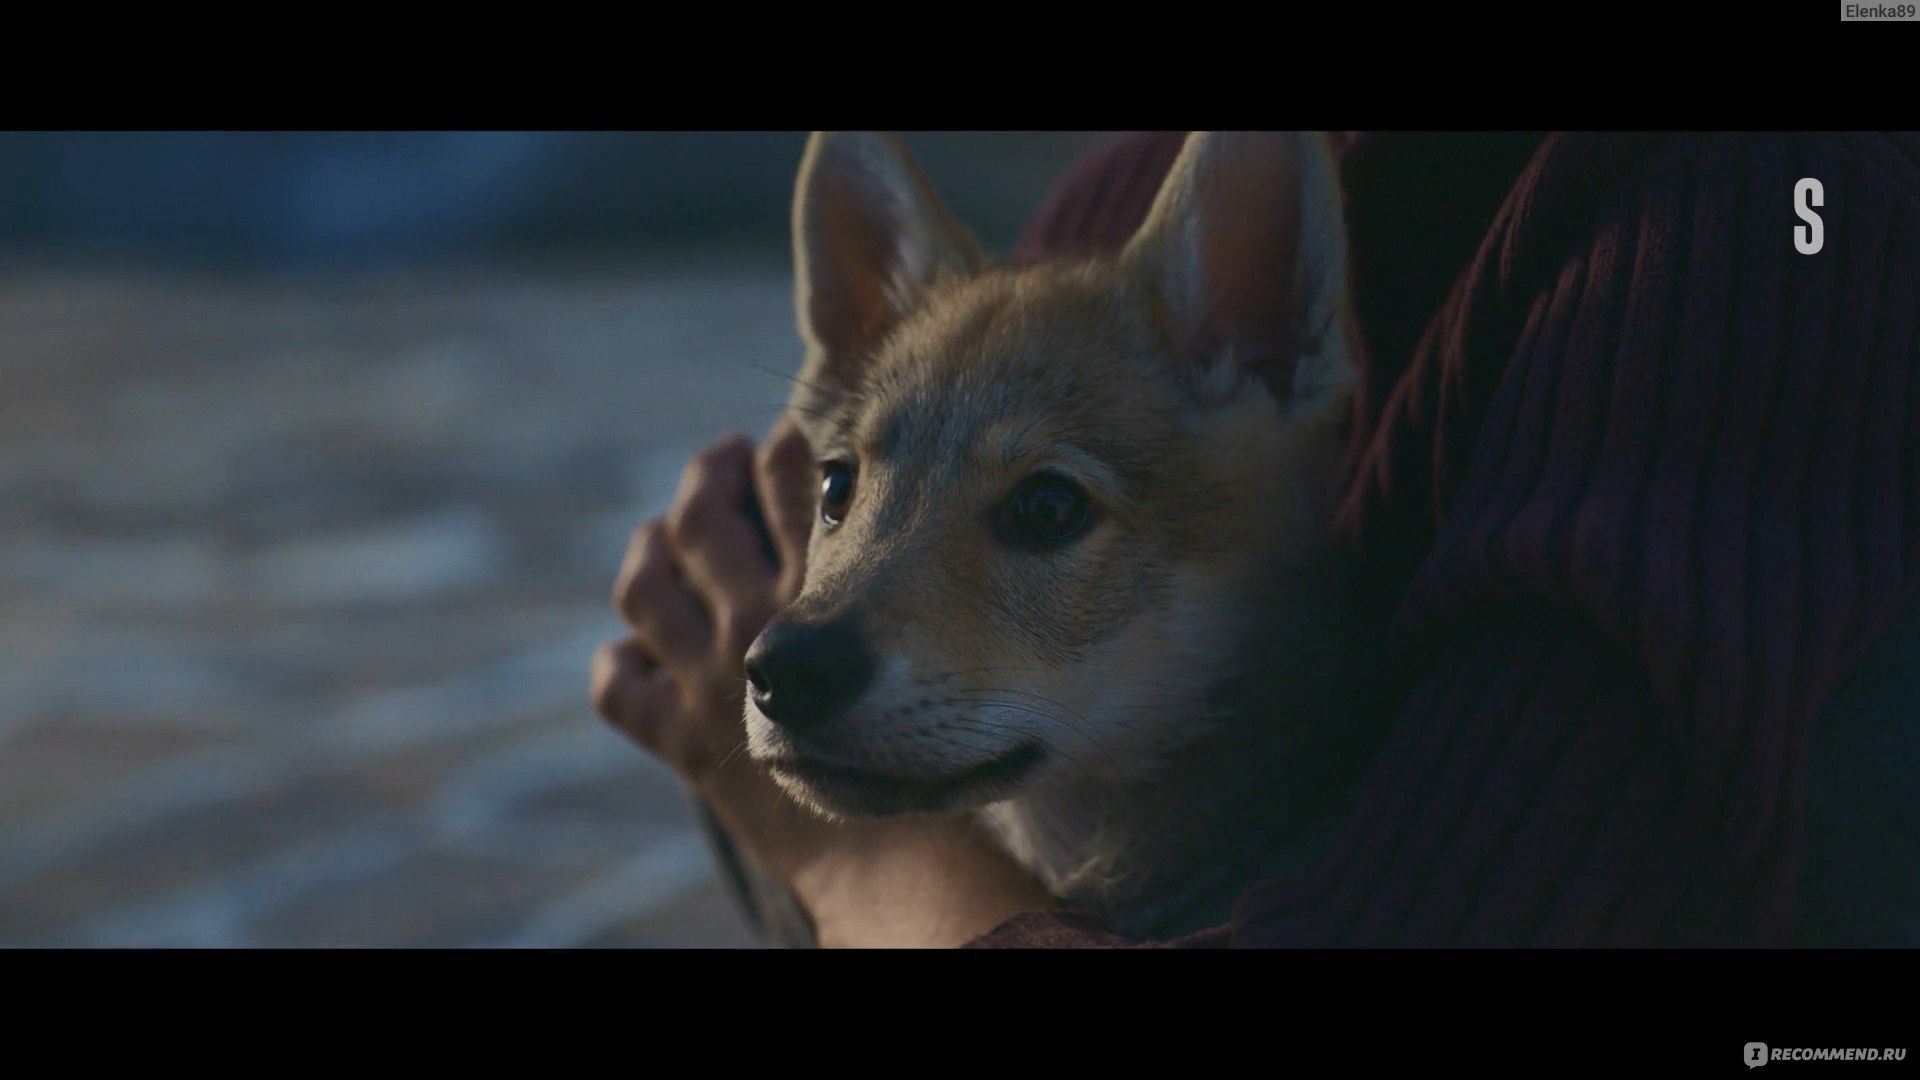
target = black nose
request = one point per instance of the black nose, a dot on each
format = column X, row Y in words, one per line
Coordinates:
column 802, row 674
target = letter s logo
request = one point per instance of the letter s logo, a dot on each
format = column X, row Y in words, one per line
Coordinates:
column 1808, row 239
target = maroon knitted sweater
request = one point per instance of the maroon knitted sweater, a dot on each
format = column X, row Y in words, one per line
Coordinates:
column 1637, row 484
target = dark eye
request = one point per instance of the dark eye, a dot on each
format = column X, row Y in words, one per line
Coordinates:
column 1045, row 511
column 836, row 491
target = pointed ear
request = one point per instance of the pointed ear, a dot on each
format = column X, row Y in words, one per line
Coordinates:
column 870, row 234
column 1246, row 244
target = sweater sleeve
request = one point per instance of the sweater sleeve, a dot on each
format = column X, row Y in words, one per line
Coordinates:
column 1693, row 503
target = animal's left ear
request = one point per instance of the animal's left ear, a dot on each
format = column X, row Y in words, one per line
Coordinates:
column 1247, row 246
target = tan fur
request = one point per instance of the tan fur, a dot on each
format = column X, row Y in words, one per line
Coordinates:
column 1177, row 662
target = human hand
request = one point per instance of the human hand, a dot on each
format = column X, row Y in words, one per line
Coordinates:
column 696, row 587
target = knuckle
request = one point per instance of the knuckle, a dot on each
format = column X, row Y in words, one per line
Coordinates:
column 628, row 592
column 645, row 573
column 628, row 703
column 786, row 452
column 695, row 518
column 655, row 566
column 644, row 539
column 608, row 703
column 605, row 678
column 696, row 477
column 725, row 454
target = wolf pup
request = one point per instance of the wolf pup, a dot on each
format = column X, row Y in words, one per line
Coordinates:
column 1073, row 568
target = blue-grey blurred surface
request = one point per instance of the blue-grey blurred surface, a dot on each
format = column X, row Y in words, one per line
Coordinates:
column 318, row 453
column 366, row 199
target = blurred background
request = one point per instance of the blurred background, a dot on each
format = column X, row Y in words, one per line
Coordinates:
column 318, row 454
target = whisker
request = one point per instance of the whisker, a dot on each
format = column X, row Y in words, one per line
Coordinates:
column 1007, row 729
column 1057, row 711
column 951, row 675
column 1078, row 722
column 794, row 379
column 817, row 414
column 1031, row 710
column 1043, row 740
column 731, row 754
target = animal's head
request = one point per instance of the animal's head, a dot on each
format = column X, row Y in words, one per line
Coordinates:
column 1051, row 496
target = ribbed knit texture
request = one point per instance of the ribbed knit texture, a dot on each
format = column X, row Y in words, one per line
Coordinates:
column 1637, row 485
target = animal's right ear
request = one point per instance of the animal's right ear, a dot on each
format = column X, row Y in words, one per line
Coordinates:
column 1246, row 244
column 870, row 234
